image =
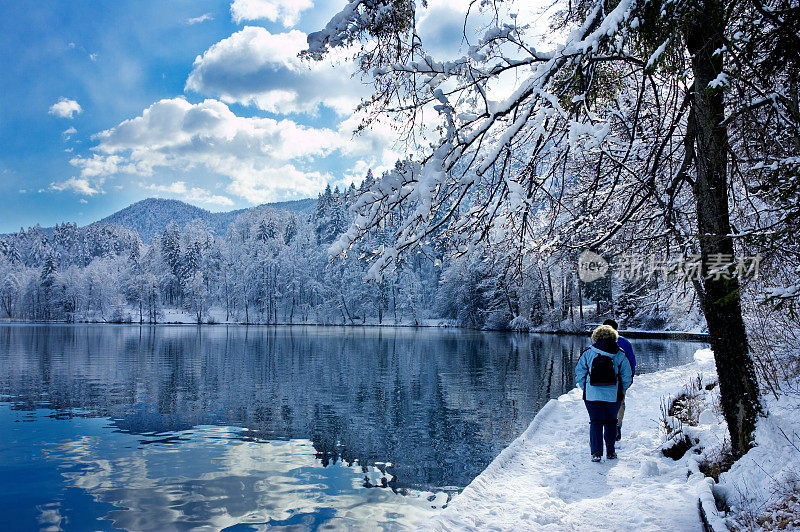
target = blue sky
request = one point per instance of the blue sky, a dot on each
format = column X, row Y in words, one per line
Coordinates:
column 113, row 60
column 108, row 102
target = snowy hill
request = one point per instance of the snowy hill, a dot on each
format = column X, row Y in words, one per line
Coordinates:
column 151, row 216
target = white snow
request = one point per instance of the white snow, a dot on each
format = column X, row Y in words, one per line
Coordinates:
column 720, row 81
column 657, row 54
column 544, row 480
column 771, row 470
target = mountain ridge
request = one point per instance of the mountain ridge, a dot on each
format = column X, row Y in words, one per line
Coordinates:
column 150, row 216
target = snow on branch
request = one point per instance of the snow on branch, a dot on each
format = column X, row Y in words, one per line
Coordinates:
column 480, row 140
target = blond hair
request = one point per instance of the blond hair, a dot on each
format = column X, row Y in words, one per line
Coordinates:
column 604, row 332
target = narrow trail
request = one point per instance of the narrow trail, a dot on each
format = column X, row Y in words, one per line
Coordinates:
column 544, row 480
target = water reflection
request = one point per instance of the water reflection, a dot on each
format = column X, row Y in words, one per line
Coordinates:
column 281, row 426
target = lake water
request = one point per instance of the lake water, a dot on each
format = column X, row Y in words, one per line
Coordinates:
column 247, row 428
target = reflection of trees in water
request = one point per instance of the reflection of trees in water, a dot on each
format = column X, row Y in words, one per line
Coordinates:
column 437, row 404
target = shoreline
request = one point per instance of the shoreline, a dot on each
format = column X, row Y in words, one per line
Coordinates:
column 544, row 480
column 635, row 334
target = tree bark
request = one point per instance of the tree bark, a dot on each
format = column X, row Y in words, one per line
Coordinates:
column 720, row 298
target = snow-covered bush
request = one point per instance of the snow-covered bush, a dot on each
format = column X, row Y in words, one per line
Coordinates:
column 520, row 324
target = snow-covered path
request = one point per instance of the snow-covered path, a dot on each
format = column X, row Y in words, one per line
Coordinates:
column 544, row 480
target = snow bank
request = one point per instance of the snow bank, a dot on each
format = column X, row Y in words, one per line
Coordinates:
column 544, row 480
column 771, row 470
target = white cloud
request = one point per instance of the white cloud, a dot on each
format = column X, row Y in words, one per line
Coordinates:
column 441, row 27
column 69, row 132
column 192, row 194
column 256, row 67
column 78, row 185
column 99, row 165
column 263, row 157
column 202, row 18
column 272, row 183
column 287, row 11
column 65, row 108
column 175, row 128
column 176, row 187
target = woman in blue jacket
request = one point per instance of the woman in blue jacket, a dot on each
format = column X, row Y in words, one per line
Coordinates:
column 603, row 373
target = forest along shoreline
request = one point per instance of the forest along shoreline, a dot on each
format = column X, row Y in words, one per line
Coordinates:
column 636, row 334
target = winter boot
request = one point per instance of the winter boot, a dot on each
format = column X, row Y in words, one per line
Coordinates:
column 596, row 458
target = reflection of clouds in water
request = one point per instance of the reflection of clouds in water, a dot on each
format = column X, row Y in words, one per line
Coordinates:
column 439, row 404
column 50, row 518
column 215, row 480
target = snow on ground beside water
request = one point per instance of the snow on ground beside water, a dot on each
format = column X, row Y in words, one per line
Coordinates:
column 216, row 315
column 771, row 470
column 544, row 480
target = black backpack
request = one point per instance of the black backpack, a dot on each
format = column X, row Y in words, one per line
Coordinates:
column 603, row 372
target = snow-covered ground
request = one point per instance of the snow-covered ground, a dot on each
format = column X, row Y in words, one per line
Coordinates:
column 544, row 480
column 758, row 484
column 217, row 316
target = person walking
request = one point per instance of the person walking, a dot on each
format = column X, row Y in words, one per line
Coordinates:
column 603, row 373
column 627, row 348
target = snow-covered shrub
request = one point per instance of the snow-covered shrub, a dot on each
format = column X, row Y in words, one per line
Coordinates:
column 782, row 515
column 119, row 315
column 520, row 323
column 774, row 337
column 667, row 423
column 687, row 406
column 679, row 416
column 716, row 461
column 571, row 325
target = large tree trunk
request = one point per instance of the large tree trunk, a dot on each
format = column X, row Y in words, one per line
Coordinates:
column 720, row 297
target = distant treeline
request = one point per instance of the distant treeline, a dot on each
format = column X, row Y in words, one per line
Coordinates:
column 270, row 266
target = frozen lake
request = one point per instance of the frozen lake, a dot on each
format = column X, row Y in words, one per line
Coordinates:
column 179, row 427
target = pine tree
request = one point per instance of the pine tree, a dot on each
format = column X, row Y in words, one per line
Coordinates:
column 171, row 251
column 49, row 270
column 368, row 181
column 46, row 281
column 291, row 230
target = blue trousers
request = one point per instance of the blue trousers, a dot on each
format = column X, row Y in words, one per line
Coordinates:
column 602, row 425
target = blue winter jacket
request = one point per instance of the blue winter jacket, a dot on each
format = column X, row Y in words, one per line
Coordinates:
column 602, row 393
column 626, row 346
